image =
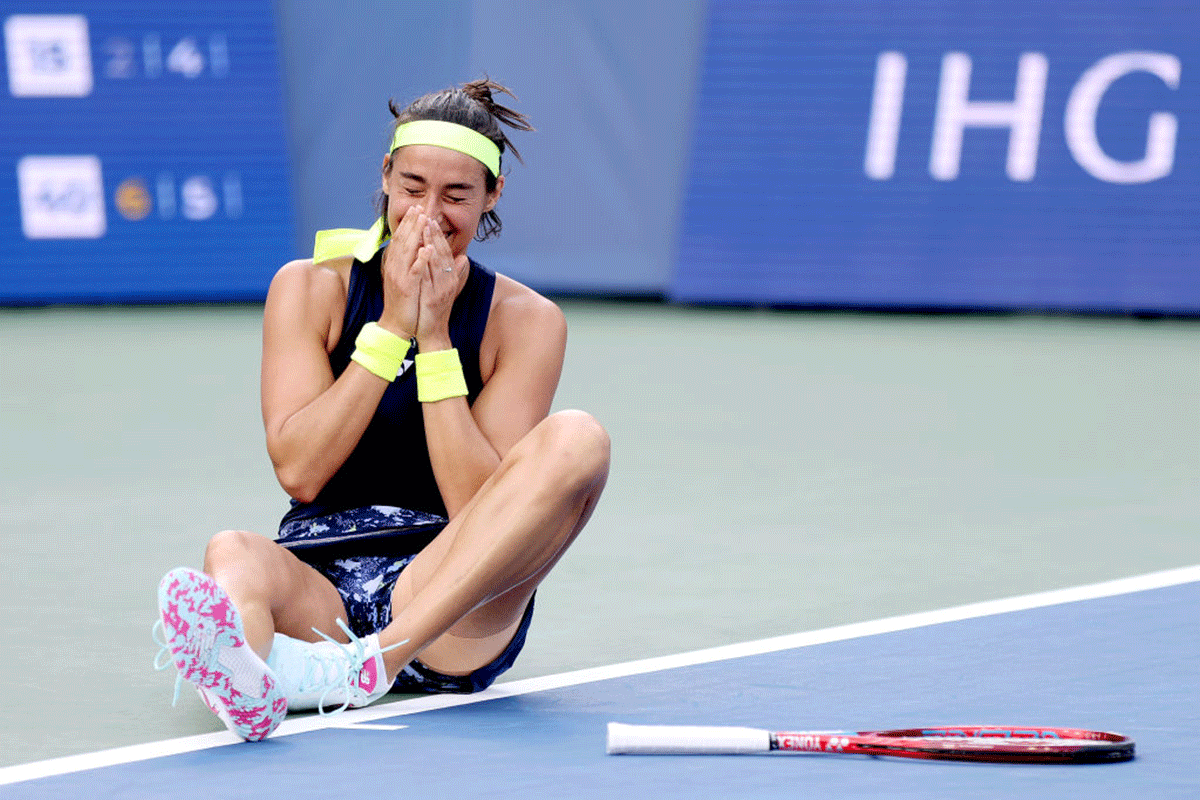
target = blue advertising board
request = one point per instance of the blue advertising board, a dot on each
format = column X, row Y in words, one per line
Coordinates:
column 143, row 155
column 970, row 154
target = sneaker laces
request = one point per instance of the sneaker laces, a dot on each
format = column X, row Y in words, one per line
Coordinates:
column 353, row 657
column 161, row 663
column 324, row 667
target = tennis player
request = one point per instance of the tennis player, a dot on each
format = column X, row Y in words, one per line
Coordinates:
column 406, row 394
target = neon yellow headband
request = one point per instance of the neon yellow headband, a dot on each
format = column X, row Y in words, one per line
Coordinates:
column 452, row 136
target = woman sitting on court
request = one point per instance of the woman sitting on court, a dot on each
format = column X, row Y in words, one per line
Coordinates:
column 404, row 387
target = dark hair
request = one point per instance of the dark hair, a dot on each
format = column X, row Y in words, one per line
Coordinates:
column 473, row 106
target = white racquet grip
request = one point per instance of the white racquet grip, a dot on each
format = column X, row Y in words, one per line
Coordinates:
column 685, row 740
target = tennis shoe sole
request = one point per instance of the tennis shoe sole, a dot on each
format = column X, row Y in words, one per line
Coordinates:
column 208, row 645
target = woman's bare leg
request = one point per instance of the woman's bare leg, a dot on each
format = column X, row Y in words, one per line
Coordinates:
column 272, row 589
column 462, row 598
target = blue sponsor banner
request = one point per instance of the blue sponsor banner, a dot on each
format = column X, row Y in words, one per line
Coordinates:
column 1009, row 155
column 143, row 156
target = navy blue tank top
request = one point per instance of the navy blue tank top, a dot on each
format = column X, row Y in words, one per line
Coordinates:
column 390, row 465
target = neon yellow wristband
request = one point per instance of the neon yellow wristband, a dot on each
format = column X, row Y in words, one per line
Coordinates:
column 380, row 365
column 381, row 340
column 440, row 375
column 380, row 351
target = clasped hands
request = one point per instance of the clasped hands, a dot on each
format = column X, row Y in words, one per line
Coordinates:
column 421, row 279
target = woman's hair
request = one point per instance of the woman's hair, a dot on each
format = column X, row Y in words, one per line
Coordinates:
column 472, row 106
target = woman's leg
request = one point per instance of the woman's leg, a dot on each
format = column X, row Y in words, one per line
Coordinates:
column 462, row 598
column 219, row 626
column 272, row 589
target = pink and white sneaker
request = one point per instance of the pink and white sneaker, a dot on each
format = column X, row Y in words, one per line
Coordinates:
column 203, row 633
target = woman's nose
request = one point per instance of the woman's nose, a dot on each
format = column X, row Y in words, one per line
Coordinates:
column 433, row 209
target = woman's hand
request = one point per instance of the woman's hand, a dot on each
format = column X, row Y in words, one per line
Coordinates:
column 402, row 277
column 442, row 276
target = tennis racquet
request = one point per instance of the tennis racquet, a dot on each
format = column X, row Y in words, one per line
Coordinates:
column 965, row 743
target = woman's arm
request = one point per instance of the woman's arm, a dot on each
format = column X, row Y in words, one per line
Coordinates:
column 312, row 422
column 526, row 337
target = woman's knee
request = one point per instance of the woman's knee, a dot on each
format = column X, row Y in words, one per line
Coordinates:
column 231, row 549
column 575, row 446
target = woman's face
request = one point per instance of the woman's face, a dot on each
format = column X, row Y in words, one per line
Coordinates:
column 448, row 185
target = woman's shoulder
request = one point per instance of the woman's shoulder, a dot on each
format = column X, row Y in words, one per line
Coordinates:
column 313, row 292
column 514, row 303
column 327, row 280
column 521, row 321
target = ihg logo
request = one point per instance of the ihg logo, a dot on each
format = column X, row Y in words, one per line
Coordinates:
column 1023, row 116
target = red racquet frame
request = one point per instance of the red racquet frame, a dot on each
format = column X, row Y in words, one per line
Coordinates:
column 968, row 743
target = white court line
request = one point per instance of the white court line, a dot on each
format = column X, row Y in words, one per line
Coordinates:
column 351, row 725
column 360, row 719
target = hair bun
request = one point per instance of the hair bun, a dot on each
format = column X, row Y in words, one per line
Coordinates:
column 481, row 90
